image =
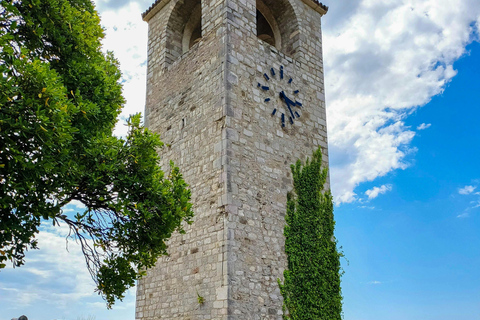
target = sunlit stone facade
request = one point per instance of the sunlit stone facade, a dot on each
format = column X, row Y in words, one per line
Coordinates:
column 207, row 97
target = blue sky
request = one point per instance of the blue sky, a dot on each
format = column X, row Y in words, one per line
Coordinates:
column 414, row 252
column 403, row 97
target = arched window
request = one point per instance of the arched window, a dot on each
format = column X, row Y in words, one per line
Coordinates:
column 193, row 29
column 277, row 24
column 267, row 28
column 264, row 30
column 184, row 28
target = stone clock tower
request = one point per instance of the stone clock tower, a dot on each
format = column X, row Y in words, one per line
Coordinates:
column 235, row 89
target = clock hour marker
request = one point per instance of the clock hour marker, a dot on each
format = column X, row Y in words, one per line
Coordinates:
column 290, row 81
column 268, row 99
column 283, row 120
column 265, row 88
column 273, row 72
column 266, row 76
column 281, row 72
column 298, row 103
column 291, row 120
column 296, row 113
column 274, row 111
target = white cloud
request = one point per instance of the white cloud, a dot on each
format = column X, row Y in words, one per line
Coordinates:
column 472, row 204
column 367, row 207
column 75, row 203
column 464, row 215
column 424, row 126
column 467, row 190
column 45, row 274
column 387, row 59
column 375, row 282
column 126, row 35
column 55, row 281
column 58, row 276
column 376, row 191
column 475, row 204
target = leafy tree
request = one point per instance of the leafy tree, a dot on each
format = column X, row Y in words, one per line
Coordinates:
column 59, row 100
column 311, row 288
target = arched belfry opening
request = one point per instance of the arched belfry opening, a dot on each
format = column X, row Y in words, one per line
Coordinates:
column 267, row 27
column 184, row 28
column 277, row 24
column 192, row 32
column 264, row 30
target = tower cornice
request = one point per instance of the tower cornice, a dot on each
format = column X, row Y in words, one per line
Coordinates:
column 159, row 4
column 317, row 6
column 153, row 9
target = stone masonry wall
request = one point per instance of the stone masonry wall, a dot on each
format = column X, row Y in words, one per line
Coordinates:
column 235, row 155
column 261, row 151
column 185, row 103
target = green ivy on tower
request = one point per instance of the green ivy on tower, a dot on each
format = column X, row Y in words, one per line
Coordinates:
column 311, row 289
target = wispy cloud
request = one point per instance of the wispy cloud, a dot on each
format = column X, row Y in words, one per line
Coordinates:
column 383, row 61
column 376, row 191
column 375, row 282
column 467, row 190
column 367, row 207
column 424, row 126
column 470, row 191
column 45, row 274
column 470, row 194
column 475, row 204
column 466, row 214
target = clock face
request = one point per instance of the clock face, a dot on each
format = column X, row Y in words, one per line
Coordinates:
column 281, row 95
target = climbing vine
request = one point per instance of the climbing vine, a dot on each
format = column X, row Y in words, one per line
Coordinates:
column 311, row 289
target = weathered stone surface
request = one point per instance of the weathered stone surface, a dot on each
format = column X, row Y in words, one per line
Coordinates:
column 235, row 155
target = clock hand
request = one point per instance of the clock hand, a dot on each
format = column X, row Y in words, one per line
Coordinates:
column 293, row 103
column 289, row 103
column 286, row 99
